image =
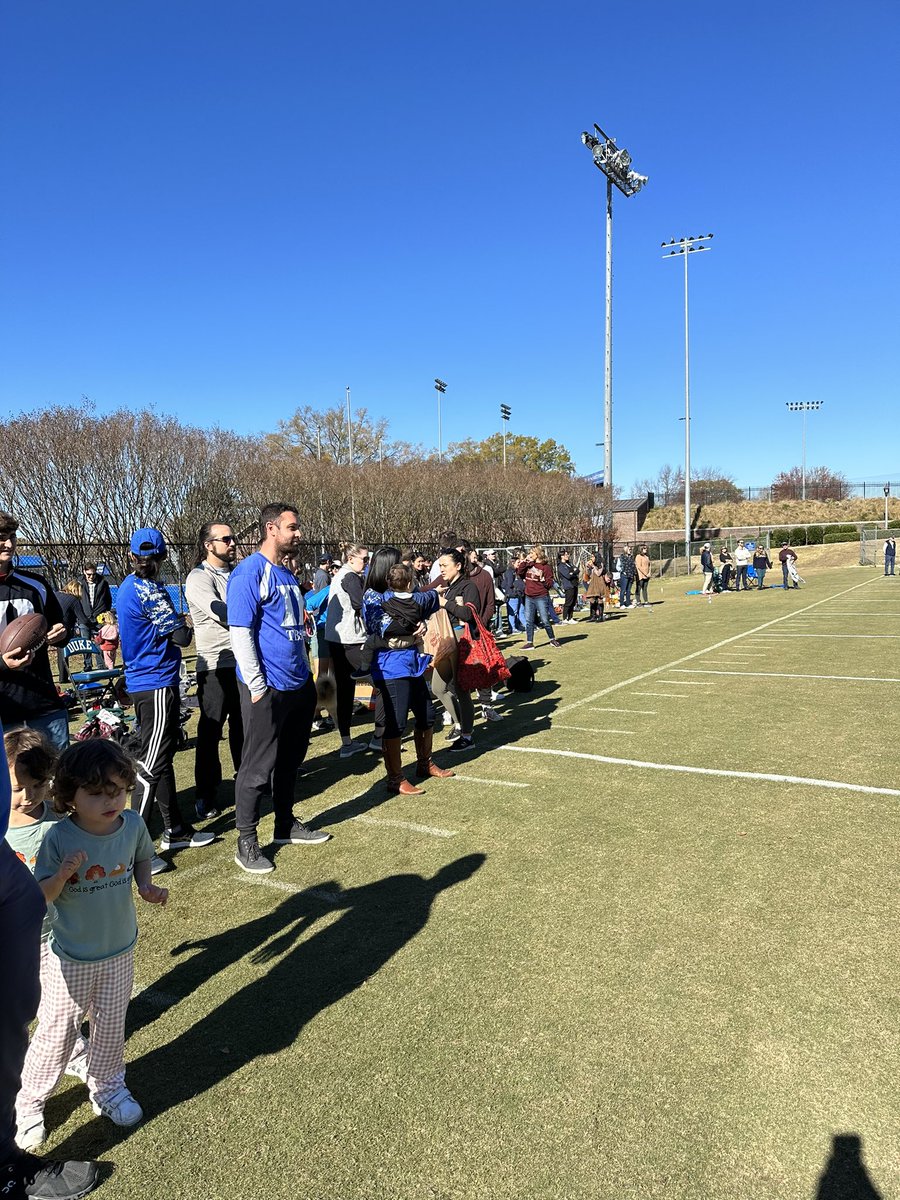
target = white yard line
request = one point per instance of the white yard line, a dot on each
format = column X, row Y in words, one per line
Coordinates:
column 794, row 675
column 391, row 823
column 866, row 636
column 492, row 782
column 678, row 768
column 280, row 885
column 654, row 671
column 182, row 873
column 687, row 682
column 586, row 729
column 640, row 712
column 665, row 695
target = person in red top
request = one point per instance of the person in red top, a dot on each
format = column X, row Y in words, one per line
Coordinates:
column 538, row 576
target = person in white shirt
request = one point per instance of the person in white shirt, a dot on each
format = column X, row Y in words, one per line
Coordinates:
column 743, row 557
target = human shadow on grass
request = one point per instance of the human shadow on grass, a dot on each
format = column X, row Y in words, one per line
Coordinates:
column 267, row 1015
column 845, row 1176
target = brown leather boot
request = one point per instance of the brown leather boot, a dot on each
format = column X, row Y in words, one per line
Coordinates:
column 390, row 748
column 425, row 768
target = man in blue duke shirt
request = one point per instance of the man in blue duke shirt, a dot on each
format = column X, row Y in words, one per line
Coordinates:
column 278, row 696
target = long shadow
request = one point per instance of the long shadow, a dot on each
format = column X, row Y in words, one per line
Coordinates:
column 269, row 1013
column 845, row 1176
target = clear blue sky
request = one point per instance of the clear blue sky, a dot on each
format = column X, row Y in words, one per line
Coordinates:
column 228, row 208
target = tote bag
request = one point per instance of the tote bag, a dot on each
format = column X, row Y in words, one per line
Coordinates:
column 480, row 663
column 440, row 640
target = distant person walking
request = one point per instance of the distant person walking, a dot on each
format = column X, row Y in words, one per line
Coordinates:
column 786, row 556
column 761, row 564
column 708, row 568
column 890, row 553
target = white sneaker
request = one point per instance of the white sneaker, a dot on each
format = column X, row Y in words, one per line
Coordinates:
column 30, row 1132
column 490, row 714
column 77, row 1067
column 448, row 720
column 189, row 840
column 121, row 1107
column 496, row 696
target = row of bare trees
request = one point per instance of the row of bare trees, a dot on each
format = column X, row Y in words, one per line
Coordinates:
column 80, row 480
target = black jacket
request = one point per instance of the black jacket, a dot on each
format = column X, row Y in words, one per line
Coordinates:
column 102, row 598
column 73, row 614
column 567, row 575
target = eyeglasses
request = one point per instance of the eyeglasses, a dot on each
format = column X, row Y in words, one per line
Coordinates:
column 226, row 541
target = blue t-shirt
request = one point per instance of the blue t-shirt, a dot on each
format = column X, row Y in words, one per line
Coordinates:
column 146, row 617
column 267, row 600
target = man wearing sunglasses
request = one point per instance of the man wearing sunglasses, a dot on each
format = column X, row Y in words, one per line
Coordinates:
column 217, row 686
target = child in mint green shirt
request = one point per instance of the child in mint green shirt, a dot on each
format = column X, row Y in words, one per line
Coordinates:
column 85, row 866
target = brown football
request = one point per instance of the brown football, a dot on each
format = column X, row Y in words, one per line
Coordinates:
column 28, row 632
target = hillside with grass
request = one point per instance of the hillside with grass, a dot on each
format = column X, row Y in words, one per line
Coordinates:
column 776, row 512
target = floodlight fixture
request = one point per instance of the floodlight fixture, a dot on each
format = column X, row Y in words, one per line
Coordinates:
column 505, row 414
column 440, row 387
column 615, row 163
column 682, row 248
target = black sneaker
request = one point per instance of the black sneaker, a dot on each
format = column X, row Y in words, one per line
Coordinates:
column 461, row 744
column 206, row 812
column 27, row 1176
column 301, row 835
column 249, row 858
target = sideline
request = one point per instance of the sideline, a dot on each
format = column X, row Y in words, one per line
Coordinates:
column 492, row 782
column 411, row 825
column 614, row 687
column 833, row 784
column 585, row 729
column 868, row 637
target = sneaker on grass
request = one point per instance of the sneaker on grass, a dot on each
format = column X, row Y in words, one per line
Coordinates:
column 120, row 1106
column 30, row 1131
column 186, row 839
column 77, row 1067
column 490, row 714
column 527, row 646
column 447, row 719
column 302, row 835
column 462, row 744
column 348, row 749
column 555, row 642
column 158, row 865
column 375, row 744
column 250, row 858
column 37, row 1179
column 206, row 812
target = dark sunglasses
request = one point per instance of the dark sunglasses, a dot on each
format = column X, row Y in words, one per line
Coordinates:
column 227, row 541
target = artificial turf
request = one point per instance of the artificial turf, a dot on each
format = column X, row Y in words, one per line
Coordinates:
column 613, row 981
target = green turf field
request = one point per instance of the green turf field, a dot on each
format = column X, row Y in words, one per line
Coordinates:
column 573, row 971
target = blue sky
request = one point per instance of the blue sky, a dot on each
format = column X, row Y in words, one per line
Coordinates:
column 227, row 208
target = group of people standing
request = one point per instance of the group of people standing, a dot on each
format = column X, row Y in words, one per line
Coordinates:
column 737, row 566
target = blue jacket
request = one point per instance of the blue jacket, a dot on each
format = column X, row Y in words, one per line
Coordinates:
column 395, row 664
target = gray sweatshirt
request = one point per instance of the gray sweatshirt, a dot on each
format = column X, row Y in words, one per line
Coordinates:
column 205, row 594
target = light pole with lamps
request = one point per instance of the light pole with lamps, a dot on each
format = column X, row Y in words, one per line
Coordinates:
column 505, row 414
column 350, row 457
column 804, row 406
column 887, row 493
column 615, row 163
column 440, row 387
column 684, row 248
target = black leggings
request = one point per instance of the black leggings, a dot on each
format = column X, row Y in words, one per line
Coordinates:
column 345, row 659
column 571, row 599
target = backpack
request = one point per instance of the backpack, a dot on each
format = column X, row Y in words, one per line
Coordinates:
column 521, row 674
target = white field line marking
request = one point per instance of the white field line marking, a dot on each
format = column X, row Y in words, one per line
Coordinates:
column 280, row 885
column 665, row 695
column 393, row 824
column 651, row 766
column 492, row 782
column 794, row 675
column 858, row 615
column 866, row 636
column 614, row 687
column 641, row 712
column 585, row 729
column 182, row 873
column 688, row 682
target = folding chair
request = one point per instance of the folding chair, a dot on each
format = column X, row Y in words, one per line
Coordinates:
column 94, row 683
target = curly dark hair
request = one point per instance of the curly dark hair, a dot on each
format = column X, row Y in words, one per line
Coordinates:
column 91, row 765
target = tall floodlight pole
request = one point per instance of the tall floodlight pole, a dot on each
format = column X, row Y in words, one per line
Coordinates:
column 350, row 457
column 684, row 248
column 887, row 494
column 615, row 163
column 505, row 414
column 803, row 406
column 440, row 387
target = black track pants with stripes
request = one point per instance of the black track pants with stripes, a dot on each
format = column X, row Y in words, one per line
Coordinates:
column 157, row 713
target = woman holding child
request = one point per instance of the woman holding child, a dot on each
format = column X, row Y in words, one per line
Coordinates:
column 394, row 617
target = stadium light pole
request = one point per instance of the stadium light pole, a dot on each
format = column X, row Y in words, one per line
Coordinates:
column 803, row 406
column 615, row 163
column 505, row 414
column 350, row 456
column 887, row 493
column 440, row 387
column 684, row 248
